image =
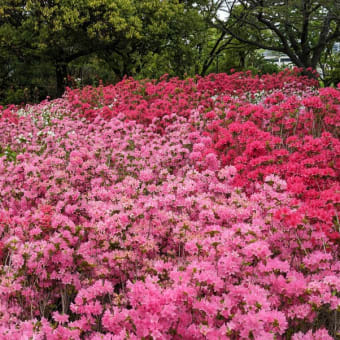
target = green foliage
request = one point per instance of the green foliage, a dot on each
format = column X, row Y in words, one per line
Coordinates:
column 45, row 39
column 332, row 72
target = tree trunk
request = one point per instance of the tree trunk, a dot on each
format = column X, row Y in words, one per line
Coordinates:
column 61, row 74
column 242, row 57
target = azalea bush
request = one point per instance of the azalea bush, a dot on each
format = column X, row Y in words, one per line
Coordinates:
column 205, row 208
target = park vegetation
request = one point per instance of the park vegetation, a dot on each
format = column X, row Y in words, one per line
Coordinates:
column 48, row 45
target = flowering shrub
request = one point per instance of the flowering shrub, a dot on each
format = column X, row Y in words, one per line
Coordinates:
column 198, row 209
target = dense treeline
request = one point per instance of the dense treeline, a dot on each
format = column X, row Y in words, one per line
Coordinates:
column 48, row 45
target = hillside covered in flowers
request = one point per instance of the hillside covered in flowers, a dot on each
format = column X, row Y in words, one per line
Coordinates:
column 205, row 208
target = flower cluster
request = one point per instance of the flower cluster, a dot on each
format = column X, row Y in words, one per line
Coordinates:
column 197, row 209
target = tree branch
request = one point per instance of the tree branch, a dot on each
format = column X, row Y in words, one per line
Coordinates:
column 323, row 40
column 281, row 36
column 305, row 28
column 212, row 54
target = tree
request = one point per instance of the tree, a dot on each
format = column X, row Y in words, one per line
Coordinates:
column 302, row 29
column 171, row 35
column 58, row 32
column 222, row 49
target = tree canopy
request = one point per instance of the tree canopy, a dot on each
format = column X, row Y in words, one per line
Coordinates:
column 122, row 32
column 302, row 29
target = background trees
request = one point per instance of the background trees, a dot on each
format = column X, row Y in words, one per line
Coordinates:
column 121, row 33
column 302, row 29
column 47, row 45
